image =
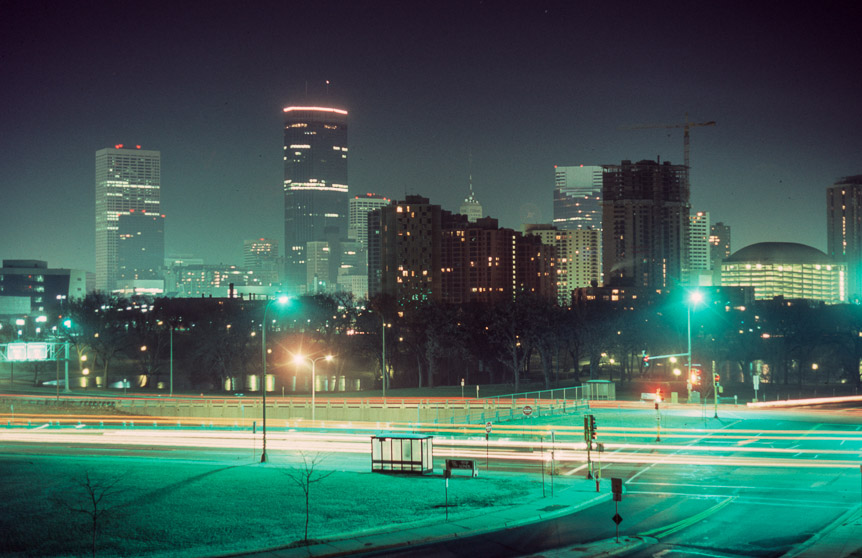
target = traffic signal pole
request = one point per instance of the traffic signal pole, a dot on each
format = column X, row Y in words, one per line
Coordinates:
column 715, row 393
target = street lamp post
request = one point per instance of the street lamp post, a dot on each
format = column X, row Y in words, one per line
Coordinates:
column 171, row 366
column 281, row 299
column 383, row 358
column 695, row 298
column 299, row 359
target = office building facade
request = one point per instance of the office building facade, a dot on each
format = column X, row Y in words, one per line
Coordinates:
column 261, row 256
column 719, row 248
column 315, row 187
column 699, row 262
column 128, row 183
column 140, row 253
column 578, row 197
column 844, row 230
column 646, row 219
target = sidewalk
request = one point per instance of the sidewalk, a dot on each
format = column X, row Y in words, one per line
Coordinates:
column 580, row 495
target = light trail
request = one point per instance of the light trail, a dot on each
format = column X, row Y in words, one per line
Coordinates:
column 500, row 450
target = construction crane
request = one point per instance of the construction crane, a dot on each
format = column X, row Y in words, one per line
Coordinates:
column 686, row 126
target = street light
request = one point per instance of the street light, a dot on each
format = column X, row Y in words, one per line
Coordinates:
column 299, row 359
column 694, row 298
column 280, row 299
column 383, row 356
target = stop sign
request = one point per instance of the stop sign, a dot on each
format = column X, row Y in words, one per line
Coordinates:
column 528, row 411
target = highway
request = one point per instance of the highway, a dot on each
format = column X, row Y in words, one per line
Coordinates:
column 750, row 483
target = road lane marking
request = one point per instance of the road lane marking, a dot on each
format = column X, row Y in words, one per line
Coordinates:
column 639, row 473
column 661, row 532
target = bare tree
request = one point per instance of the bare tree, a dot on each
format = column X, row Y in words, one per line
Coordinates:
column 96, row 502
column 304, row 476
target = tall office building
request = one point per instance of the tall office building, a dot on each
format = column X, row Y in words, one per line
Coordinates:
column 578, row 197
column 645, row 215
column 140, row 252
column 127, row 180
column 699, row 262
column 719, row 249
column 260, row 255
column 357, row 213
column 844, row 230
column 315, row 188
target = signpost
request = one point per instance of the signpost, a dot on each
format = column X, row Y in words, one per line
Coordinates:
column 487, row 434
column 755, row 380
column 617, row 489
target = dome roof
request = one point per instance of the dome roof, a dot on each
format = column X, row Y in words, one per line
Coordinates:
column 780, row 253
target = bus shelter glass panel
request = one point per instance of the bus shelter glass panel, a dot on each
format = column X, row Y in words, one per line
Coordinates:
column 407, row 453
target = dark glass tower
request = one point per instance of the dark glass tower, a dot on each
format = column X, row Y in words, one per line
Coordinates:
column 315, row 188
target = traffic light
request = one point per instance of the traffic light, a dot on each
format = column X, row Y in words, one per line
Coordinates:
column 587, row 436
column 593, row 429
column 695, row 377
column 646, row 361
column 716, row 378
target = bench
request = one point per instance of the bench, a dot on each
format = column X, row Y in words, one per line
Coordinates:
column 468, row 464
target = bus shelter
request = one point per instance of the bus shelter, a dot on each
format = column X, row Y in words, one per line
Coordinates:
column 402, row 453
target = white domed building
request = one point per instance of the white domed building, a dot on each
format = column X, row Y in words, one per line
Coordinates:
column 786, row 269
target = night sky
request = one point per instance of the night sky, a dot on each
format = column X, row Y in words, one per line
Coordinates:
column 520, row 86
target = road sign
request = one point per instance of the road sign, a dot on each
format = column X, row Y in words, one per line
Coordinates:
column 617, row 489
column 488, row 427
column 617, row 519
column 528, row 411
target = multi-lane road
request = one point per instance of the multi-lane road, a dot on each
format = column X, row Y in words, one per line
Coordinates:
column 750, row 483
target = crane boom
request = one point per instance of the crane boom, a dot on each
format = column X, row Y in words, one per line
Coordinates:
column 686, row 126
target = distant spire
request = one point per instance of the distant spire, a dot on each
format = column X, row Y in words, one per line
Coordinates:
column 470, row 198
column 471, row 206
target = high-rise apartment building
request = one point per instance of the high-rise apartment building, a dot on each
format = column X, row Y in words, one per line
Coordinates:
column 419, row 252
column 127, row 180
column 315, row 187
column 578, row 261
column 645, row 216
column 699, row 262
column 844, row 230
column 578, row 197
column 406, row 247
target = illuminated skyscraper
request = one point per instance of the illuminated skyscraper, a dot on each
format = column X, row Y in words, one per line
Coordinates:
column 578, row 197
column 699, row 249
column 315, row 187
column 844, row 230
column 128, row 180
column 358, row 209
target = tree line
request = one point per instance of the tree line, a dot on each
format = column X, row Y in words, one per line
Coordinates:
column 527, row 339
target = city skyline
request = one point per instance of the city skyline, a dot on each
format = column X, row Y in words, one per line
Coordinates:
column 520, row 89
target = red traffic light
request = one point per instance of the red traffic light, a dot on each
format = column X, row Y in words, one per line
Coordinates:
column 716, row 377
